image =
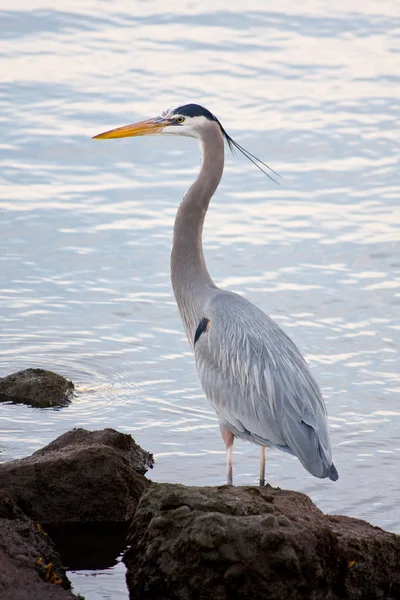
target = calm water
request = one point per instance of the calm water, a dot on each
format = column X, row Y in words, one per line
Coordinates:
column 86, row 226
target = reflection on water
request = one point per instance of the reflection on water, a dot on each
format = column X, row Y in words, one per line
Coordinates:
column 85, row 546
column 86, row 226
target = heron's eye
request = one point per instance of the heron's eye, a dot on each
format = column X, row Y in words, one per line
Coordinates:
column 180, row 119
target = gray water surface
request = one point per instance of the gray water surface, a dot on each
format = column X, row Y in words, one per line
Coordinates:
column 86, row 226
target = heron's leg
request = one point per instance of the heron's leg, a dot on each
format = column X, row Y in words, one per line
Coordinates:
column 262, row 466
column 228, row 438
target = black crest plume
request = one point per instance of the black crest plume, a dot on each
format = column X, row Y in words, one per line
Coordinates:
column 233, row 145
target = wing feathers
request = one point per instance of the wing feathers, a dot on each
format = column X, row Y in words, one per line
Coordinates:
column 257, row 380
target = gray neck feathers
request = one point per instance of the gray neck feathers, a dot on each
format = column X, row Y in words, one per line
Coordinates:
column 191, row 281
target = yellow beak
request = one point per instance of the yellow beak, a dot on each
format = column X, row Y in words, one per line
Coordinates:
column 149, row 127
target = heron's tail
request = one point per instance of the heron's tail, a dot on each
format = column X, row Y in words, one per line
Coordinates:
column 333, row 474
column 312, row 449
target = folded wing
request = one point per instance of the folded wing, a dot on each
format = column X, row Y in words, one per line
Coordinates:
column 259, row 383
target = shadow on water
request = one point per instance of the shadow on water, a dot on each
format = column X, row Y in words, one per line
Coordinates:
column 89, row 546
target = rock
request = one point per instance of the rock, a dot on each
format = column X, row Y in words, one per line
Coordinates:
column 30, row 568
column 192, row 543
column 138, row 459
column 36, row 387
column 81, row 476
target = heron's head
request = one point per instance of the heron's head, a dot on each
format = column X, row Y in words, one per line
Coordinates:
column 190, row 120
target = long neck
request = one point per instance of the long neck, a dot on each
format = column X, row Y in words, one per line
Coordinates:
column 190, row 278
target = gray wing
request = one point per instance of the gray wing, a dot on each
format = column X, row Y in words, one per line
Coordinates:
column 259, row 383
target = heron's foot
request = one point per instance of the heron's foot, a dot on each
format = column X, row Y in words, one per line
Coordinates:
column 262, row 482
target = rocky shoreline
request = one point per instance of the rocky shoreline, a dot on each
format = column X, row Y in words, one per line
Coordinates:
column 80, row 478
column 184, row 543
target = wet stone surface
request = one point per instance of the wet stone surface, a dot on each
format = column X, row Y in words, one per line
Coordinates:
column 80, row 491
column 30, row 566
column 264, row 543
column 82, row 476
column 36, row 387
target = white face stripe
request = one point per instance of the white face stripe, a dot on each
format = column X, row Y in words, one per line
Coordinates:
column 200, row 120
column 189, row 128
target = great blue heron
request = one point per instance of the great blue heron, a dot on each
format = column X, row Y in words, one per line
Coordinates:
column 250, row 370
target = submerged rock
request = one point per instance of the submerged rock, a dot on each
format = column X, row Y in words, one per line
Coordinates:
column 30, row 567
column 36, row 387
column 265, row 543
column 82, row 476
